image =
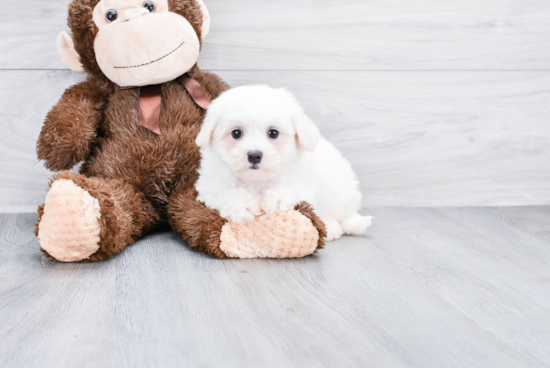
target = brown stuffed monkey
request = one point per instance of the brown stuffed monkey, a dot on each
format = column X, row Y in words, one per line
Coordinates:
column 133, row 124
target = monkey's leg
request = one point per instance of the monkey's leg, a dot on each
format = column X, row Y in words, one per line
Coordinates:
column 292, row 234
column 197, row 224
column 91, row 219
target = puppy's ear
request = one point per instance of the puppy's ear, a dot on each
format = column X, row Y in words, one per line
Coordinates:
column 209, row 124
column 307, row 133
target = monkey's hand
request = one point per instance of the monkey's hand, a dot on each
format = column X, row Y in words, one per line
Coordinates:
column 71, row 126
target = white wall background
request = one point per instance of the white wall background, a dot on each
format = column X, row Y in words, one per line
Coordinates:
column 436, row 103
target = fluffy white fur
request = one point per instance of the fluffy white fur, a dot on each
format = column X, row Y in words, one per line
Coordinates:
column 298, row 165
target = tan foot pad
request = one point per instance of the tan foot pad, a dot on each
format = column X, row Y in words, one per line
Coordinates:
column 284, row 235
column 69, row 230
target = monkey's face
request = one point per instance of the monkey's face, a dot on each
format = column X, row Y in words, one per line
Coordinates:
column 142, row 43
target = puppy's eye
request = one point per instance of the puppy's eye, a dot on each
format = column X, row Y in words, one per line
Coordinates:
column 149, row 5
column 237, row 134
column 273, row 134
column 111, row 15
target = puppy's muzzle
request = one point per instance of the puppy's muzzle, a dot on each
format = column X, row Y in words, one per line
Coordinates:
column 255, row 157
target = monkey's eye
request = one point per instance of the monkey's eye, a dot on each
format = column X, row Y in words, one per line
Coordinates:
column 149, row 5
column 111, row 15
column 237, row 133
column 273, row 134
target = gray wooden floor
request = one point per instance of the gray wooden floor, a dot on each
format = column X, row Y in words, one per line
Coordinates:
column 464, row 287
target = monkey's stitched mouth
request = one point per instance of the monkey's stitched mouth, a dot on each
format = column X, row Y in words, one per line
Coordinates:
column 151, row 62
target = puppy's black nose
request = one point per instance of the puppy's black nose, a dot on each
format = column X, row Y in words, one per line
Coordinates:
column 254, row 157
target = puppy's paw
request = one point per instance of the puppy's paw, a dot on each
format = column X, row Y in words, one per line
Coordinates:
column 245, row 213
column 334, row 229
column 253, row 206
column 356, row 224
column 241, row 216
column 278, row 200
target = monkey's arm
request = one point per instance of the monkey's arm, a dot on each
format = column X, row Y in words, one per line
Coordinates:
column 71, row 126
column 212, row 83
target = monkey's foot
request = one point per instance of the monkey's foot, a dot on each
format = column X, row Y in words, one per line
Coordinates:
column 69, row 229
column 292, row 234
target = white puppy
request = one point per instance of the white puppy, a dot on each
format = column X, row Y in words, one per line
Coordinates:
column 262, row 154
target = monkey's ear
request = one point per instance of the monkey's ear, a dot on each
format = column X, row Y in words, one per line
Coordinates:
column 65, row 48
column 205, row 19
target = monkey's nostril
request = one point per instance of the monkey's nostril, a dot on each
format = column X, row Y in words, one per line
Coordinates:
column 255, row 157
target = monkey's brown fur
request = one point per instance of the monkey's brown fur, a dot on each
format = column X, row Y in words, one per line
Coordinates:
column 139, row 178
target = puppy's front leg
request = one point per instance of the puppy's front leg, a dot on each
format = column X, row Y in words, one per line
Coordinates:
column 279, row 200
column 239, row 206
